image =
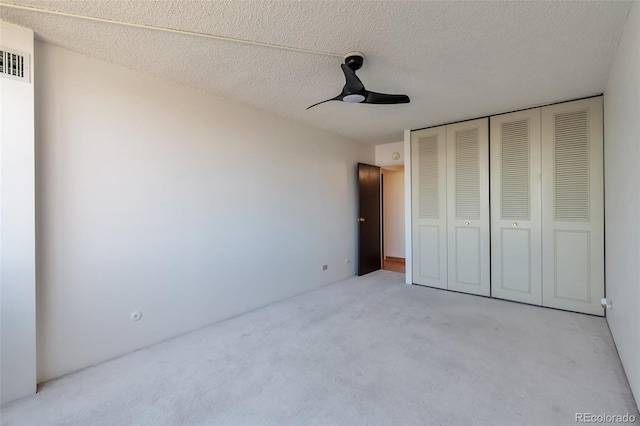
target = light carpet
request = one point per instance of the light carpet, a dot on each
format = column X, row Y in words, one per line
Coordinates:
column 367, row 350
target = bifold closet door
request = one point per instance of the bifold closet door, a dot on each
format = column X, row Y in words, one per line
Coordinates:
column 429, row 191
column 572, row 206
column 516, row 251
column 468, row 207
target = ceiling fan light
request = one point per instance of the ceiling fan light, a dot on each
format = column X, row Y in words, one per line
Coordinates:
column 353, row 99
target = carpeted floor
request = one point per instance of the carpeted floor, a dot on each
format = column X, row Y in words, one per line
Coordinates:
column 368, row 350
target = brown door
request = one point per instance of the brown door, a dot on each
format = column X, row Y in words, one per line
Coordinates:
column 369, row 251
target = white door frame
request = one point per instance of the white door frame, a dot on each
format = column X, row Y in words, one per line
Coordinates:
column 407, row 209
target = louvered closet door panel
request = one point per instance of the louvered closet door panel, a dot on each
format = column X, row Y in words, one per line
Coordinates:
column 429, row 202
column 516, row 264
column 468, row 207
column 572, row 206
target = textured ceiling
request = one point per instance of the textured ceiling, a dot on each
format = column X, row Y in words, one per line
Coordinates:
column 456, row 60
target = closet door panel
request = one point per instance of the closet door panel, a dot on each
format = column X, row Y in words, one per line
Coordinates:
column 516, row 258
column 572, row 195
column 468, row 256
column 514, row 276
column 571, row 255
column 429, row 202
column 468, row 207
column 429, row 252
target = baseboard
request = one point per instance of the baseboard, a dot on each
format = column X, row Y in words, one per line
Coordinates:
column 394, row 259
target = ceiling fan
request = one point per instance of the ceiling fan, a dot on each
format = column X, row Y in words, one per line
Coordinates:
column 354, row 91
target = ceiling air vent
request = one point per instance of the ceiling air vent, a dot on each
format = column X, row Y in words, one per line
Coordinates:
column 14, row 65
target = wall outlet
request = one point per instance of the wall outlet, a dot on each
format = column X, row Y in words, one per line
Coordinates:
column 325, row 267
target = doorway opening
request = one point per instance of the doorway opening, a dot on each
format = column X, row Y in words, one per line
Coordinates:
column 392, row 220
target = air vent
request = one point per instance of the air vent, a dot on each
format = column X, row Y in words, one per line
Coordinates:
column 515, row 170
column 467, row 174
column 571, row 160
column 428, row 175
column 14, row 65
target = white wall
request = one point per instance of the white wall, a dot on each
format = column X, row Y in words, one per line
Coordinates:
column 17, row 226
column 385, row 152
column 393, row 213
column 622, row 197
column 186, row 207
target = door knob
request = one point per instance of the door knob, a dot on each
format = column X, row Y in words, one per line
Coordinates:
column 360, row 219
column 466, row 223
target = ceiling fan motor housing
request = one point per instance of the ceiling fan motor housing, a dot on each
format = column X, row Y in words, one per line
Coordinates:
column 354, row 60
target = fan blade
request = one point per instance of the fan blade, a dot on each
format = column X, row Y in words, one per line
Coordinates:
column 337, row 98
column 383, row 98
column 354, row 85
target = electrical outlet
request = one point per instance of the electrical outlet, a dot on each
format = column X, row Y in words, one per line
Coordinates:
column 325, row 267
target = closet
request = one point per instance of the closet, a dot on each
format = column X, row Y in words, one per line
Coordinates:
column 545, row 181
column 450, row 207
